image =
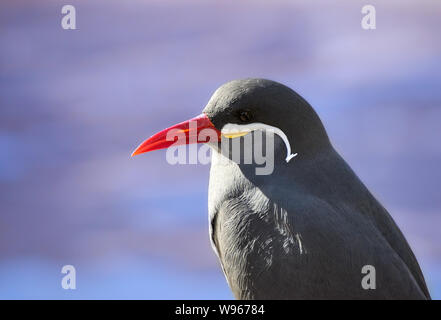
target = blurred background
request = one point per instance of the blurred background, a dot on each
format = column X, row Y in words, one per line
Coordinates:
column 75, row 103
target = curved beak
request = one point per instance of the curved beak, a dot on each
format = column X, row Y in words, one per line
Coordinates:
column 189, row 129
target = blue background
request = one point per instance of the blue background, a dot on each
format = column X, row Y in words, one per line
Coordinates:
column 75, row 103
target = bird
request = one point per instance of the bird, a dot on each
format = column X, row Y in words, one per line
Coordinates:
column 309, row 228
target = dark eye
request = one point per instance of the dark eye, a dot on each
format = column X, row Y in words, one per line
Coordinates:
column 244, row 116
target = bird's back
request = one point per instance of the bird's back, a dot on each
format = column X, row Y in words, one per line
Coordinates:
column 308, row 236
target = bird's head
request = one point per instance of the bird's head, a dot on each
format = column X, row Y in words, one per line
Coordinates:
column 240, row 107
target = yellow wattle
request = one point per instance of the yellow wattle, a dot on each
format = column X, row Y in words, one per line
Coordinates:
column 234, row 135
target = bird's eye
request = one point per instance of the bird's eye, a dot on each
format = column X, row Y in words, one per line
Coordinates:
column 244, row 116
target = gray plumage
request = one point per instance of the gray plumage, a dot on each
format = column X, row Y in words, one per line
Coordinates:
column 306, row 230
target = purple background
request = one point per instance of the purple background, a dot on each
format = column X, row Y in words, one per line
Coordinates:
column 75, row 103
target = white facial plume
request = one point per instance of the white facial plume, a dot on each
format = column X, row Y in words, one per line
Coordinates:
column 232, row 130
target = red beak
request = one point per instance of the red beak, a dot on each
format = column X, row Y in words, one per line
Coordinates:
column 170, row 136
